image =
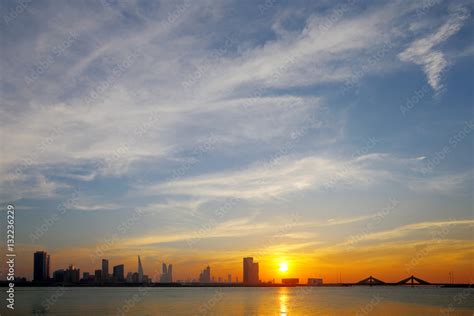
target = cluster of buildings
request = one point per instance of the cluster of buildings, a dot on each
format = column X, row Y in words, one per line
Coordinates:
column 205, row 275
column 41, row 273
column 250, row 272
column 71, row 275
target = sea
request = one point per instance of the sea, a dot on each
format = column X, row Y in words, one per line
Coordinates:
column 356, row 300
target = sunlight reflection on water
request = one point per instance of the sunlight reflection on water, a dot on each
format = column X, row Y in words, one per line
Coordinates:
column 283, row 296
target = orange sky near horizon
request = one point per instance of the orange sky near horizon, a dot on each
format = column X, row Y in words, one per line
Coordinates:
column 390, row 264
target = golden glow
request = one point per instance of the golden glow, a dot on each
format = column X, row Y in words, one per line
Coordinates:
column 283, row 301
column 283, row 267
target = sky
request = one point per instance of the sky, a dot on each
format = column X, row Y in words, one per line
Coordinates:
column 334, row 136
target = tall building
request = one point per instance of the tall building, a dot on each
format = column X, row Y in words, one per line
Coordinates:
column 85, row 276
column 72, row 275
column 58, row 275
column 40, row 266
column 97, row 275
column 135, row 277
column 105, row 269
column 140, row 270
column 250, row 271
column 205, row 275
column 166, row 274
column 170, row 273
column 47, row 267
column 119, row 273
column 129, row 278
column 164, row 268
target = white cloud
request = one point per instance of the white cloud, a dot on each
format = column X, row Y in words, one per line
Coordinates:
column 95, row 207
column 421, row 51
column 408, row 229
column 273, row 179
column 441, row 183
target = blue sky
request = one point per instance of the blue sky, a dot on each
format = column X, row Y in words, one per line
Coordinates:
column 222, row 119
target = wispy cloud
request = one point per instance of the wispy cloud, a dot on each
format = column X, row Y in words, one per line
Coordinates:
column 405, row 230
column 271, row 180
column 433, row 61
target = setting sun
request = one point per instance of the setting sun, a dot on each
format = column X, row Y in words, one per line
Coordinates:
column 283, row 267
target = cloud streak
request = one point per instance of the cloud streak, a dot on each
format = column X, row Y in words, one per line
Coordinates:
column 422, row 52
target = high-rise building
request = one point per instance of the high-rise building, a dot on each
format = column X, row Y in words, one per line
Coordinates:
column 166, row 274
column 58, row 275
column 129, row 277
column 205, row 275
column 40, row 266
column 119, row 273
column 140, row 271
column 85, row 276
column 47, row 267
column 135, row 277
column 250, row 271
column 105, row 269
column 97, row 275
column 170, row 273
column 72, row 275
column 229, row 278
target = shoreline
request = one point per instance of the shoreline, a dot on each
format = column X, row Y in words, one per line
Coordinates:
column 199, row 285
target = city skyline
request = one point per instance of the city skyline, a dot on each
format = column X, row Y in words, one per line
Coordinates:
column 250, row 275
column 321, row 139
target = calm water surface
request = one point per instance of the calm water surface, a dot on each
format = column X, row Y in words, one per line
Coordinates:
column 243, row 301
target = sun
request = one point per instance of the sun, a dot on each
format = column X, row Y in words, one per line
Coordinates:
column 283, row 267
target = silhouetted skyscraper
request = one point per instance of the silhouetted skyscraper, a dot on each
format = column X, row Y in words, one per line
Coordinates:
column 119, row 273
column 250, row 271
column 97, row 275
column 72, row 275
column 205, row 276
column 129, row 278
column 105, row 269
column 166, row 274
column 47, row 267
column 85, row 276
column 135, row 277
column 58, row 275
column 40, row 266
column 140, row 270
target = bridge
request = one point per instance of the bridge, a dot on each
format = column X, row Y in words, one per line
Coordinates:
column 370, row 281
column 411, row 280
